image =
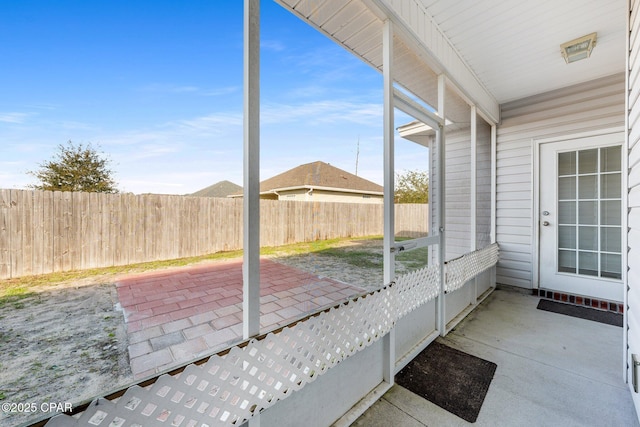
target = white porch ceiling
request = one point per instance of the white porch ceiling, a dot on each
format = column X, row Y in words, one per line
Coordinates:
column 496, row 51
column 513, row 46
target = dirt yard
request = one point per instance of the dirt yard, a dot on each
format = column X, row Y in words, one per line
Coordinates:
column 64, row 344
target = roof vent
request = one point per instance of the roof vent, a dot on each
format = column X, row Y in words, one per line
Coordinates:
column 579, row 48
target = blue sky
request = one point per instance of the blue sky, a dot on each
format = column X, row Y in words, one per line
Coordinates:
column 157, row 87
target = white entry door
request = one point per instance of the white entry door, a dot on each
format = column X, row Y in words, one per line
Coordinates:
column 580, row 216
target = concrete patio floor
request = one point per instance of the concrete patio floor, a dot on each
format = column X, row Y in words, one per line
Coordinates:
column 553, row 370
column 175, row 316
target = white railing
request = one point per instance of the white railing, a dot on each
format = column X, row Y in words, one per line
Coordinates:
column 460, row 270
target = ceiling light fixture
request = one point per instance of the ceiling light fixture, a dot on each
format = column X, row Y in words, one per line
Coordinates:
column 579, row 48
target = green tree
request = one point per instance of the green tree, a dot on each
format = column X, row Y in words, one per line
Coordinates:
column 412, row 187
column 75, row 168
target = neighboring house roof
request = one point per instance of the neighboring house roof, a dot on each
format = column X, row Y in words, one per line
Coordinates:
column 219, row 189
column 320, row 176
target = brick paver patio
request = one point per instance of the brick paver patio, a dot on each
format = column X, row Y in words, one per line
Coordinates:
column 178, row 315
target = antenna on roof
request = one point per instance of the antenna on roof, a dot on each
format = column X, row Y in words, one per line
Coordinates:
column 357, row 154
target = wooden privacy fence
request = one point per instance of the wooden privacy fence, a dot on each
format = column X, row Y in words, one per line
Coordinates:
column 44, row 231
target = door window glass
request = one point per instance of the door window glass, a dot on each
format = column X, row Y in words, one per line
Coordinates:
column 611, row 185
column 567, row 163
column 567, row 212
column 611, row 266
column 588, row 263
column 589, row 212
column 610, row 159
column 567, row 261
column 567, row 237
column 567, row 188
column 588, row 161
column 588, row 238
column 610, row 212
column 588, row 187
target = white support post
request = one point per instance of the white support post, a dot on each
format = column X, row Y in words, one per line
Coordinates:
column 251, row 170
column 493, row 181
column 388, row 161
column 473, row 167
column 442, row 322
column 473, row 179
column 388, row 165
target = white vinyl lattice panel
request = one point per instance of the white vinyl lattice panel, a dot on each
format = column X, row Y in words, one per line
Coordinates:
column 229, row 389
column 466, row 267
column 417, row 288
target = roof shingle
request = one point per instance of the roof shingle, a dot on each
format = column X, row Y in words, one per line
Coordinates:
column 219, row 189
column 319, row 174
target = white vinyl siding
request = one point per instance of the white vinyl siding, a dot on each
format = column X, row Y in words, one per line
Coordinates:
column 458, row 190
column 458, row 195
column 326, row 196
column 633, row 237
column 598, row 104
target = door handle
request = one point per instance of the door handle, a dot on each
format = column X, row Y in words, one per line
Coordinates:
column 545, row 223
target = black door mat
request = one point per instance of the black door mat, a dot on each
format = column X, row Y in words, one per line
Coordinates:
column 607, row 317
column 455, row 381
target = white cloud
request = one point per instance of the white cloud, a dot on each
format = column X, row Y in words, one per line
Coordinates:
column 177, row 135
column 273, row 45
column 44, row 106
column 10, row 164
column 188, row 89
column 73, row 125
column 322, row 112
column 221, row 91
column 331, row 66
column 184, row 155
column 147, row 151
column 212, row 122
column 309, row 91
column 13, row 117
column 175, row 182
column 168, row 88
column 14, row 180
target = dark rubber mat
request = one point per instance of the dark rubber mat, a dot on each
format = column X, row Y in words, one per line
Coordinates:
column 607, row 317
column 455, row 381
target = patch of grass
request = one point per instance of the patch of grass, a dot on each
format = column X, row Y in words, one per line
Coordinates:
column 334, row 248
column 411, row 260
column 13, row 295
column 16, row 291
column 2, row 395
column 364, row 259
column 302, row 248
column 416, row 258
column 15, row 302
